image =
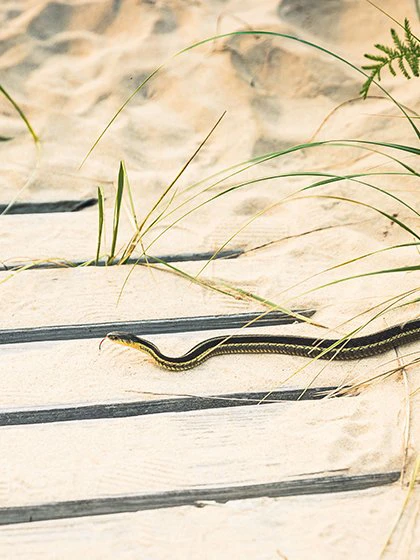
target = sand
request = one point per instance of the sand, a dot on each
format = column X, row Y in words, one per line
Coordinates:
column 70, row 65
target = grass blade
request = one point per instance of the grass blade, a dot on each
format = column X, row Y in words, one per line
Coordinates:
column 100, row 222
column 21, row 114
column 130, row 197
column 117, row 211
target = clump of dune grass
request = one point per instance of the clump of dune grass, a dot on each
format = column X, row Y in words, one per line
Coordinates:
column 167, row 205
column 171, row 202
column 168, row 211
column 402, row 51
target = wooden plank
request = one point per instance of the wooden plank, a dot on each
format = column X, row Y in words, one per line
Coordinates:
column 342, row 526
column 80, row 295
column 47, row 207
column 96, row 459
column 157, row 326
column 73, row 236
column 193, row 496
column 142, row 408
column 174, row 257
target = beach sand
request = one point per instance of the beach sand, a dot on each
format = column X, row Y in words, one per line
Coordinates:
column 70, row 65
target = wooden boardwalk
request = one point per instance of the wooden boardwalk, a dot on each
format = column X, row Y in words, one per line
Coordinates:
column 105, row 455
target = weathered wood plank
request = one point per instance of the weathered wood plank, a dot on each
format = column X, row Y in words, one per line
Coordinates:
column 343, row 526
column 47, row 207
column 151, row 326
column 90, row 294
column 144, row 408
column 75, row 235
column 193, row 496
column 95, row 459
column 173, row 257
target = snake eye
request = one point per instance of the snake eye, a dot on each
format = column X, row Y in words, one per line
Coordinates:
column 112, row 336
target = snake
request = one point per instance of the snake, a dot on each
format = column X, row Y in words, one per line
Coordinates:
column 326, row 349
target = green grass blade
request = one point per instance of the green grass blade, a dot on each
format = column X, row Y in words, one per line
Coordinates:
column 117, row 211
column 364, row 275
column 389, row 216
column 21, row 114
column 100, row 223
column 334, row 179
column 403, row 147
column 347, row 262
column 130, row 197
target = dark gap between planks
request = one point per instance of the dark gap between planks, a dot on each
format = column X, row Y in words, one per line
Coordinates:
column 48, row 207
column 147, row 327
column 181, row 257
column 161, row 406
column 194, row 497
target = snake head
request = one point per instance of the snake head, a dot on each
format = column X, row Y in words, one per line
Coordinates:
column 128, row 339
column 116, row 337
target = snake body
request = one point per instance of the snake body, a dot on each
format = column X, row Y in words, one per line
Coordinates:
column 326, row 349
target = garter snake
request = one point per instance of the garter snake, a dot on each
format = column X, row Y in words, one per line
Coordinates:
column 326, row 349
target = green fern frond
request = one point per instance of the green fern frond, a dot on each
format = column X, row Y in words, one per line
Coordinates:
column 404, row 51
column 391, row 68
column 402, row 68
column 376, row 58
column 387, row 50
column 397, row 41
column 409, row 36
